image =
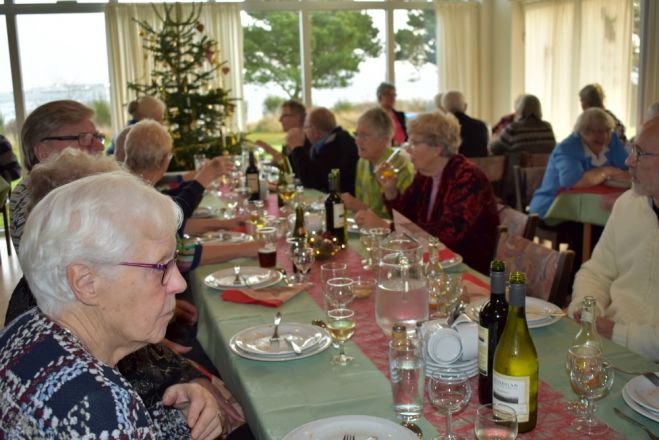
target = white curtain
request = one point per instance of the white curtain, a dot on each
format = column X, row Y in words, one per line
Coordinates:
column 129, row 62
column 571, row 43
column 458, row 51
column 648, row 78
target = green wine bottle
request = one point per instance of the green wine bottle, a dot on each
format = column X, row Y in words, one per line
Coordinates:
column 335, row 215
column 515, row 376
column 492, row 320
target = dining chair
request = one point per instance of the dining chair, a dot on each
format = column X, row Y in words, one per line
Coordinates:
column 492, row 166
column 516, row 222
column 548, row 271
column 529, row 160
column 5, row 190
column 527, row 180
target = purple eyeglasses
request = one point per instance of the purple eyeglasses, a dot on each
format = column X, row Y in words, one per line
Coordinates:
column 166, row 268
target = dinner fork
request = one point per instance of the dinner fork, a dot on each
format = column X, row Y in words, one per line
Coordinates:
column 622, row 415
column 348, row 437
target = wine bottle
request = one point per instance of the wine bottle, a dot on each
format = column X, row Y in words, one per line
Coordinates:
column 587, row 335
column 335, row 220
column 252, row 178
column 285, row 192
column 299, row 231
column 492, row 320
column 515, row 376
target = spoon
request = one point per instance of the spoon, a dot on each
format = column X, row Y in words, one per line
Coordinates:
column 296, row 348
column 236, row 280
column 275, row 335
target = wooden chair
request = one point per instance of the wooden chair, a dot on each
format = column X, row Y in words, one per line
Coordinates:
column 548, row 272
column 516, row 222
column 530, row 160
column 492, row 166
column 527, row 180
column 5, row 190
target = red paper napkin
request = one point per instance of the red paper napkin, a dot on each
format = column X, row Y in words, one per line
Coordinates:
column 269, row 297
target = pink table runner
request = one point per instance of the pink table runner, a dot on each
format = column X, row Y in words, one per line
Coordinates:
column 553, row 418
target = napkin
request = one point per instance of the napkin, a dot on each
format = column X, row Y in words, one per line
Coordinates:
column 474, row 286
column 269, row 297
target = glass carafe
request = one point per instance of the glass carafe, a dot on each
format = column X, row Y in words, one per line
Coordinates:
column 401, row 294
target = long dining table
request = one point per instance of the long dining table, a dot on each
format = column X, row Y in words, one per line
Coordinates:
column 278, row 397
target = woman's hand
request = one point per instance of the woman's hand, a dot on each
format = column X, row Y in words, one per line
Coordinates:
column 353, row 203
column 199, row 407
column 368, row 219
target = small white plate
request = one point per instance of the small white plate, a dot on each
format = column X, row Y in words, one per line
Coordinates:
column 533, row 320
column 251, row 277
column 636, row 407
column 644, row 393
column 334, row 428
column 256, row 340
column 223, row 237
column 203, row 212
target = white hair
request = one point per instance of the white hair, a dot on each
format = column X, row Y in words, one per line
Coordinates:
column 94, row 220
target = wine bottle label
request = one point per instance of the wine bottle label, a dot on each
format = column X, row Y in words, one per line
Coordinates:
column 512, row 391
column 339, row 215
column 483, row 338
column 253, row 183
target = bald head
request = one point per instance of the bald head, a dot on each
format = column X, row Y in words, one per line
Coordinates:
column 454, row 102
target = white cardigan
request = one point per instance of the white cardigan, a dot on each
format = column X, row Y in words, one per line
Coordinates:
column 623, row 275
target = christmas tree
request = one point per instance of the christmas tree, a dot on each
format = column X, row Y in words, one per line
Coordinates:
column 185, row 66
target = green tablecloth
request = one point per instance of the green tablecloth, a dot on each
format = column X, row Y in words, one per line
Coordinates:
column 577, row 207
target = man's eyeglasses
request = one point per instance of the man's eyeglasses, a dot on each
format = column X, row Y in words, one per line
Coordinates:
column 84, row 139
column 638, row 153
column 166, row 268
column 359, row 134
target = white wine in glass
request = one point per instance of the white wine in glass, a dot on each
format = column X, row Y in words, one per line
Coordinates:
column 341, row 325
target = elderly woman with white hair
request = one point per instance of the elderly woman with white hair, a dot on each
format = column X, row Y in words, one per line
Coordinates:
column 450, row 196
column 591, row 155
column 103, row 290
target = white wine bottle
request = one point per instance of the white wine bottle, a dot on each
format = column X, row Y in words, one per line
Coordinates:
column 492, row 320
column 587, row 335
column 515, row 376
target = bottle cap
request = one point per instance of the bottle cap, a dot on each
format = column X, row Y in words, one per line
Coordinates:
column 497, row 266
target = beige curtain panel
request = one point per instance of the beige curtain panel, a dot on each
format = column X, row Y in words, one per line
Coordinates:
column 127, row 57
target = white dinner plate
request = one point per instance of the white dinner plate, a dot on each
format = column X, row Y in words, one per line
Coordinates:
column 636, row 407
column 251, row 277
column 644, row 393
column 452, row 262
column 334, row 428
column 321, row 346
column 256, row 340
column 223, row 237
column 532, row 304
column 203, row 212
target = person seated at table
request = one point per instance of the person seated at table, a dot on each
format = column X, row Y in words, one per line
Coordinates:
column 10, row 169
column 329, row 147
column 592, row 95
column 95, row 306
column 473, row 132
column 49, row 129
column 386, row 94
column 148, row 152
column 527, row 133
column 291, row 117
column 144, row 107
column 622, row 272
column 373, row 135
column 450, row 196
column 591, row 155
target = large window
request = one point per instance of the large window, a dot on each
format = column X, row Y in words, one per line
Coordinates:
column 7, row 112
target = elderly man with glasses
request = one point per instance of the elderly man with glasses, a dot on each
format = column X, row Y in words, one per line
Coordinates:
column 622, row 273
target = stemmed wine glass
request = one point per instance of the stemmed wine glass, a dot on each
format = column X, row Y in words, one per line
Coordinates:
column 369, row 241
column 303, row 258
column 495, row 421
column 449, row 392
column 591, row 377
column 341, row 325
column 339, row 292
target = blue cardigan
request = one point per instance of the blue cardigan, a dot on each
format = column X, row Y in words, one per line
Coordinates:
column 567, row 163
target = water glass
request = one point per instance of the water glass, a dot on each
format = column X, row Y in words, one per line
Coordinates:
column 449, row 392
column 495, row 421
column 331, row 270
column 339, row 292
column 407, row 376
column 303, row 259
column 341, row 325
column 369, row 242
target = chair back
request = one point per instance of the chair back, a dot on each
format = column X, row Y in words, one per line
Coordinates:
column 527, row 180
column 529, row 160
column 547, row 271
column 492, row 166
column 516, row 222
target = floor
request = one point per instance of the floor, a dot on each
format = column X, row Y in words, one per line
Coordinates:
column 10, row 273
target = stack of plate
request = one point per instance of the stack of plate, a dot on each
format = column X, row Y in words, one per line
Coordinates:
column 468, row 368
column 254, row 342
column 251, row 277
column 643, row 397
column 223, row 237
column 539, row 313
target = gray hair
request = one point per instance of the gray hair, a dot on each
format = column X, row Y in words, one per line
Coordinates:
column 384, row 87
column 149, row 107
column 592, row 95
column 44, row 120
column 147, row 144
column 592, row 118
column 379, row 121
column 94, row 220
column 454, row 101
column 322, row 119
column 120, row 144
column 438, row 129
column 528, row 105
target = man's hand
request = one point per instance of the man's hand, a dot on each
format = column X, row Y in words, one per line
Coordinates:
column 199, row 407
column 368, row 219
column 295, row 138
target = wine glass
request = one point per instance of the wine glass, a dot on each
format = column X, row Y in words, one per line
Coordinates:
column 495, row 421
column 303, row 258
column 341, row 325
column 339, row 292
column 331, row 270
column 369, row 241
column 287, row 194
column 449, row 392
column 591, row 376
